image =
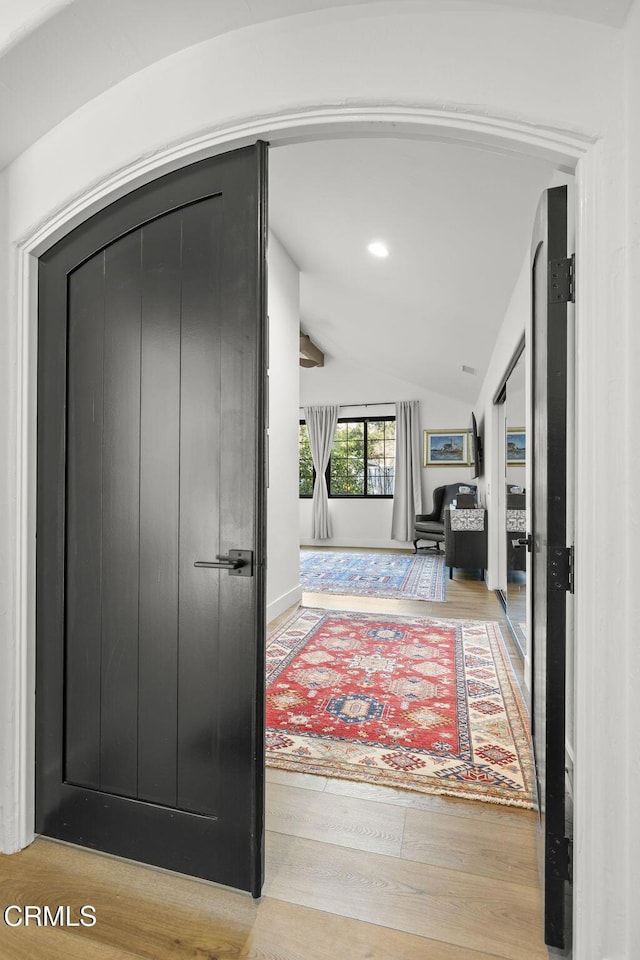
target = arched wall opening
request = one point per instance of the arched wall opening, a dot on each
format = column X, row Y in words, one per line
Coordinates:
column 567, row 153
column 40, row 214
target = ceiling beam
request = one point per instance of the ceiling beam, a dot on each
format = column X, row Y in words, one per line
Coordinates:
column 310, row 355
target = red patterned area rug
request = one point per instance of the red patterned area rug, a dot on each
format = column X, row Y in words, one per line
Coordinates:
column 419, row 703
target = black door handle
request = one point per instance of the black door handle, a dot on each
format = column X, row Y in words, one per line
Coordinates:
column 221, row 563
column 239, row 563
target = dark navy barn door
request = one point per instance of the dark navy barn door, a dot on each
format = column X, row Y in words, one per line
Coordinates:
column 150, row 561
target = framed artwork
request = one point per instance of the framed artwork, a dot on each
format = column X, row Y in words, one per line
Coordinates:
column 516, row 445
column 446, row 448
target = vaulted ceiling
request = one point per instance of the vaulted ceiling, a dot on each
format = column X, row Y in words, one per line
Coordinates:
column 457, row 221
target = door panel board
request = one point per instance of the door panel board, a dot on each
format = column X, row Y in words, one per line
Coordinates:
column 84, row 473
column 159, row 510
column 120, row 518
column 201, row 407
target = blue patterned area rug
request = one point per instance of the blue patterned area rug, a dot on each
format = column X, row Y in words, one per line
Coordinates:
column 391, row 575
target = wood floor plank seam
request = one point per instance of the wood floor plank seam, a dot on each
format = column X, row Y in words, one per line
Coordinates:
column 461, row 873
column 533, row 883
column 496, row 915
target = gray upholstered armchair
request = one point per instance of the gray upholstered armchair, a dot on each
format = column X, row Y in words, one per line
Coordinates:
column 430, row 526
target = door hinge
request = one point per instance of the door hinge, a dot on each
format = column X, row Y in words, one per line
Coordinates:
column 561, row 572
column 561, row 280
column 560, row 857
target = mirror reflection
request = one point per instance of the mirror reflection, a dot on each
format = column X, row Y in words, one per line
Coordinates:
column 516, row 501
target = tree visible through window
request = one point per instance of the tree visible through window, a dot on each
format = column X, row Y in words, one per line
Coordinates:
column 306, row 463
column 363, row 458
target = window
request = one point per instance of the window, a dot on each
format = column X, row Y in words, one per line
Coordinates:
column 363, row 458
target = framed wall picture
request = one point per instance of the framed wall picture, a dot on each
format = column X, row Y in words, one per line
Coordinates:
column 516, row 445
column 446, row 448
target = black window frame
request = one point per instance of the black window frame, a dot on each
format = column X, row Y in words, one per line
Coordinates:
column 352, row 496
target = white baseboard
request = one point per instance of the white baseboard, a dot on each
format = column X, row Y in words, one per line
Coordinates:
column 278, row 606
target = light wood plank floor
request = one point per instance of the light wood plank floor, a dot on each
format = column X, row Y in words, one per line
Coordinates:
column 353, row 870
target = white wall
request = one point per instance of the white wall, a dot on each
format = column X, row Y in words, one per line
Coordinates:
column 367, row 523
column 476, row 72
column 283, row 565
column 7, row 551
column 625, row 660
column 489, row 421
column 16, row 16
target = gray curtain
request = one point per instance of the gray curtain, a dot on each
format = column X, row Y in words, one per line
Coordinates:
column 407, row 491
column 321, row 424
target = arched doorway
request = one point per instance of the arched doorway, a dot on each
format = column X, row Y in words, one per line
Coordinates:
column 277, row 130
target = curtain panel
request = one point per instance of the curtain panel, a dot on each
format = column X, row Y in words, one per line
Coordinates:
column 321, row 426
column 407, row 495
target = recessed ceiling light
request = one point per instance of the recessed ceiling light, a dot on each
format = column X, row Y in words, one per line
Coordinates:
column 378, row 249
